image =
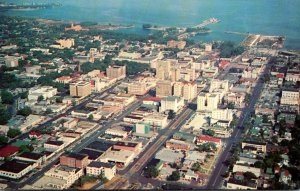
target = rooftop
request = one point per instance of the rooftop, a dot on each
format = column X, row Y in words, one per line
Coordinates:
column 14, row 166
column 127, row 144
column 92, row 154
column 8, row 150
column 97, row 164
column 29, row 155
column 77, row 156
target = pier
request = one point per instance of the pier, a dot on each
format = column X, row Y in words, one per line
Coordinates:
column 238, row 33
column 207, row 22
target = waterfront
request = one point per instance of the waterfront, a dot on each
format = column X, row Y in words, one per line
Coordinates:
column 258, row 16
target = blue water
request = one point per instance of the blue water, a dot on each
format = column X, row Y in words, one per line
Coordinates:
column 271, row 17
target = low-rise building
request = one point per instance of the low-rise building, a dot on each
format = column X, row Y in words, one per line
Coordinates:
column 157, row 120
column 207, row 139
column 54, row 146
column 59, row 177
column 262, row 147
column 8, row 150
column 120, row 157
column 74, row 160
column 45, row 91
column 37, row 158
column 15, row 169
column 96, row 168
column 178, row 145
column 130, row 146
column 290, row 97
column 11, row 61
column 171, row 103
column 241, row 184
column 245, row 168
column 190, row 138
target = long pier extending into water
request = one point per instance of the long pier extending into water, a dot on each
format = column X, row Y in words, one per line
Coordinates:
column 207, row 22
column 238, row 33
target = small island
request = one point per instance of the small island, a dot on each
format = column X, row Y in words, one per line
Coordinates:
column 27, row 6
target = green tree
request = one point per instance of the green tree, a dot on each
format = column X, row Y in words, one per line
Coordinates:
column 73, row 103
column 208, row 132
column 102, row 177
column 25, row 111
column 7, row 97
column 247, row 97
column 282, row 127
column 259, row 164
column 24, row 95
column 249, row 175
column 59, row 99
column 25, row 148
column 12, row 133
column 40, row 98
column 152, row 171
column 171, row 114
column 175, row 176
column 4, row 114
column 91, row 117
column 265, row 119
column 196, row 166
column 229, row 49
column 274, row 139
column 3, row 139
column 230, row 105
column 48, row 111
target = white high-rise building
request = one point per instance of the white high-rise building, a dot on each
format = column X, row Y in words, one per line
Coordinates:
column 207, row 101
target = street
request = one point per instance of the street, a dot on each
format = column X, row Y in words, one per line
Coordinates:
column 216, row 178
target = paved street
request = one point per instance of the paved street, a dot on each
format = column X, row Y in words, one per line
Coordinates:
column 216, row 178
column 82, row 141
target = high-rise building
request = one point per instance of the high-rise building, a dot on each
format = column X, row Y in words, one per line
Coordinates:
column 163, row 70
column 80, row 89
column 164, row 88
column 217, row 84
column 176, row 44
column 187, row 90
column 178, row 89
column 175, row 74
column 207, row 101
column 137, row 89
column 115, row 71
column 188, row 74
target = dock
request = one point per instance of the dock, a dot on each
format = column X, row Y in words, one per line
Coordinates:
column 238, row 33
column 207, row 22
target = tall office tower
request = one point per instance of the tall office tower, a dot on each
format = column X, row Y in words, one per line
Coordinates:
column 115, row 71
column 164, row 88
column 80, row 89
column 163, row 70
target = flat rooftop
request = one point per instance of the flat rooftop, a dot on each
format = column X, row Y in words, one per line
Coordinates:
column 100, row 145
column 92, row 154
column 98, row 164
column 127, row 144
column 14, row 166
column 77, row 156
